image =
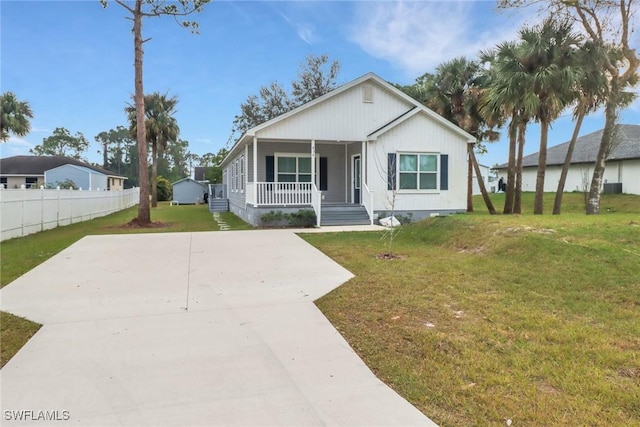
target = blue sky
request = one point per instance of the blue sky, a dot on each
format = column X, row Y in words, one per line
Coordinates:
column 73, row 60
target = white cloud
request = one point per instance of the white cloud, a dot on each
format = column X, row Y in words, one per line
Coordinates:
column 15, row 147
column 416, row 36
column 305, row 31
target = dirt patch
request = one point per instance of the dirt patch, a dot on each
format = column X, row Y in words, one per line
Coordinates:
column 514, row 230
column 389, row 256
column 633, row 373
column 545, row 387
column 469, row 250
column 133, row 224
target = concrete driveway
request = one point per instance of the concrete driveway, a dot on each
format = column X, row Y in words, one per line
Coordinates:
column 185, row 329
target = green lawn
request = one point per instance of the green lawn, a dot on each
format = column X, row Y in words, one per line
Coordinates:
column 17, row 256
column 481, row 319
column 488, row 318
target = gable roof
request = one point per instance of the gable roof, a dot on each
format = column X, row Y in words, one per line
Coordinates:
column 414, row 105
column 82, row 168
column 185, row 180
column 37, row 165
column 627, row 147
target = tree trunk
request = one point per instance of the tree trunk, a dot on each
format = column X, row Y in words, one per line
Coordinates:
column 154, row 175
column 517, row 197
column 105, row 157
column 557, row 203
column 593, row 201
column 471, row 158
column 483, row 189
column 511, row 169
column 144, row 213
column 538, row 205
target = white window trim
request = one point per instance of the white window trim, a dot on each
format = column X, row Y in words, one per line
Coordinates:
column 297, row 155
column 417, row 191
column 239, row 174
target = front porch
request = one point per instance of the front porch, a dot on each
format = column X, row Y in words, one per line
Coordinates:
column 267, row 196
column 299, row 174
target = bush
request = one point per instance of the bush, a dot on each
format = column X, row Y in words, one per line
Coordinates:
column 302, row 218
column 165, row 190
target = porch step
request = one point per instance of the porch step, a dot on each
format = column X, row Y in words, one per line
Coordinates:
column 218, row 205
column 344, row 215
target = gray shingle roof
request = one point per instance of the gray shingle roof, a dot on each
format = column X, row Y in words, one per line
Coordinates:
column 37, row 165
column 627, row 147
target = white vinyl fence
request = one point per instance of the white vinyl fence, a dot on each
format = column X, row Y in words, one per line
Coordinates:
column 28, row 211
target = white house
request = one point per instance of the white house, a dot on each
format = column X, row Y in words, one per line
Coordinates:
column 622, row 168
column 351, row 155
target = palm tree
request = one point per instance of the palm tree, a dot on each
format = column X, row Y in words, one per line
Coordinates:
column 15, row 116
column 161, row 128
column 548, row 57
column 504, row 98
column 533, row 79
column 454, row 92
column 590, row 93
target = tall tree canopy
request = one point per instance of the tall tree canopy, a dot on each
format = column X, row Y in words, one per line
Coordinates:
column 62, row 143
column 114, row 144
column 315, row 78
column 139, row 10
column 14, row 116
column 161, row 129
column 607, row 24
column 548, row 63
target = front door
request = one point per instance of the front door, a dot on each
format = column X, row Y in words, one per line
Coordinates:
column 355, row 173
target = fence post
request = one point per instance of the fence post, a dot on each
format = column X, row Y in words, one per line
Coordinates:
column 42, row 208
column 22, row 189
column 58, row 210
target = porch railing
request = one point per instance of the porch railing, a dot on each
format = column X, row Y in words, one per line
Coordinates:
column 283, row 193
column 316, row 201
column 367, row 201
column 218, row 191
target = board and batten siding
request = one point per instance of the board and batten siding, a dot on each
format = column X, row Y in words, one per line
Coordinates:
column 345, row 117
column 420, row 134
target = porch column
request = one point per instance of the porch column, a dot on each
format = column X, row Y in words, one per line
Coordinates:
column 346, row 174
column 363, row 164
column 313, row 161
column 255, row 171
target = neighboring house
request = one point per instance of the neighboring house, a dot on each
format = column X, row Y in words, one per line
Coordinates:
column 188, row 191
column 36, row 171
column 622, row 168
column 81, row 176
column 350, row 155
column 486, row 177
